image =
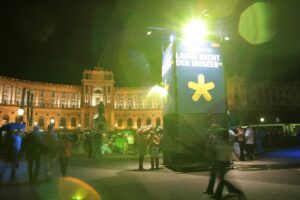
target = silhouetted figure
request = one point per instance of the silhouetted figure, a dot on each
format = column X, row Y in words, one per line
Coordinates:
column 49, row 151
column 12, row 146
column 210, row 154
column 64, row 153
column 89, row 144
column 142, row 144
column 219, row 164
column 33, row 150
column 98, row 137
column 241, row 140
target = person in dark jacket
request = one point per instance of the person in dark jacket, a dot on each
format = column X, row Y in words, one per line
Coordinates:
column 33, row 149
column 12, row 147
column 64, row 153
column 220, row 161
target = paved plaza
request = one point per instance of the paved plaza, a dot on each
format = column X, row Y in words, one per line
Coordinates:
column 272, row 176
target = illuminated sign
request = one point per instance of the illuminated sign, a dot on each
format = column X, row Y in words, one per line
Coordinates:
column 197, row 80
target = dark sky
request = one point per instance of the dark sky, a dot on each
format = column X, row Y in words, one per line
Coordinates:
column 54, row 41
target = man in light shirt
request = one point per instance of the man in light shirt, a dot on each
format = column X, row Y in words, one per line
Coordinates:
column 249, row 140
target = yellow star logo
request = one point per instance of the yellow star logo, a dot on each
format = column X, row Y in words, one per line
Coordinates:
column 201, row 88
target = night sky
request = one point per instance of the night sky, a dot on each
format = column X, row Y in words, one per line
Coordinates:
column 54, row 41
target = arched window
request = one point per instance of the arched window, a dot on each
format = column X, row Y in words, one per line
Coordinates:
column 158, row 121
column 63, row 122
column 73, row 122
column 98, row 91
column 148, row 122
column 120, row 122
column 139, row 122
column 129, row 123
column 41, row 122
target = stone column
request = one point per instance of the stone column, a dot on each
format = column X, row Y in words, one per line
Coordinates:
column 1, row 93
column 13, row 94
column 78, row 100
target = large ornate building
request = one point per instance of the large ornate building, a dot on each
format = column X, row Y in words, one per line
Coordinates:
column 75, row 107
column 274, row 102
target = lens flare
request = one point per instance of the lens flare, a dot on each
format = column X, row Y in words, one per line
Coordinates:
column 157, row 90
column 75, row 189
column 195, row 30
column 257, row 23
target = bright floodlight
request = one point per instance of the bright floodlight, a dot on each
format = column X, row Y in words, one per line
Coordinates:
column 195, row 30
column 172, row 38
column 157, row 90
column 20, row 111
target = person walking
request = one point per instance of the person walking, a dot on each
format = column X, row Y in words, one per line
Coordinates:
column 154, row 149
column 222, row 149
column 49, row 151
column 33, row 149
column 64, row 153
column 210, row 155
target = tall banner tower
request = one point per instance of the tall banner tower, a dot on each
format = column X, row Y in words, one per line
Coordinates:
column 193, row 75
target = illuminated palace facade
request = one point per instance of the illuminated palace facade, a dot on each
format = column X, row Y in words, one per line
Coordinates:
column 76, row 106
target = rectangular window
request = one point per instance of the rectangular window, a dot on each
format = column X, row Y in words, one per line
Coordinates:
column 108, row 99
column 119, row 101
column 148, row 103
column 53, row 99
column 139, row 103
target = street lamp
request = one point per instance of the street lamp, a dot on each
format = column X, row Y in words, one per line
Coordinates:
column 262, row 119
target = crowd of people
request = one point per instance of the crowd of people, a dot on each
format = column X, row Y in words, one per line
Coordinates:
column 40, row 149
column 145, row 139
column 43, row 149
column 249, row 141
column 96, row 144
